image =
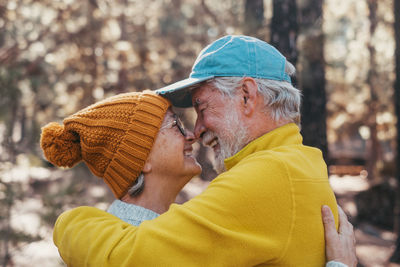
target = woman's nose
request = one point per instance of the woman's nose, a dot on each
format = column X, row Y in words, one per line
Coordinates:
column 190, row 137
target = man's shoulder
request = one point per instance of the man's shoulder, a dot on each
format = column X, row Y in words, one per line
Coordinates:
column 284, row 155
column 262, row 161
column 271, row 157
column 290, row 162
column 262, row 169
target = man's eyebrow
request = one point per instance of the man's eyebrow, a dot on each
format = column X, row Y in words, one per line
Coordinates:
column 197, row 102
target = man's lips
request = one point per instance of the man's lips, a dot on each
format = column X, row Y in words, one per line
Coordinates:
column 213, row 142
column 210, row 139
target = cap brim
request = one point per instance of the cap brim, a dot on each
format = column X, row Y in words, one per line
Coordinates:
column 179, row 93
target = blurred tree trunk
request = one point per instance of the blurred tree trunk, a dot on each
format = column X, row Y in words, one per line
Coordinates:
column 122, row 83
column 284, row 28
column 253, row 17
column 373, row 145
column 312, row 75
column 90, row 58
column 396, row 254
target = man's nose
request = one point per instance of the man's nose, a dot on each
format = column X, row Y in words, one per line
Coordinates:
column 199, row 129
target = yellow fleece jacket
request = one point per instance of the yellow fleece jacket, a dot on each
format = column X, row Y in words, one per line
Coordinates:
column 263, row 211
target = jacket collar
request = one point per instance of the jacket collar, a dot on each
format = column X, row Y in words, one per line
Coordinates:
column 288, row 134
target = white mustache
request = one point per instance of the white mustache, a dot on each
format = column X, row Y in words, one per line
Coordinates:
column 208, row 137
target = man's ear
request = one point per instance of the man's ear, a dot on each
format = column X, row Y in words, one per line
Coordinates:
column 248, row 93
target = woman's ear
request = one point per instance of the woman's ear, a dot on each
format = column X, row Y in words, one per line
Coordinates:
column 147, row 167
column 248, row 92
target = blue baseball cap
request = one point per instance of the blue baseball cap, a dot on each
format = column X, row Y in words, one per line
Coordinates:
column 229, row 56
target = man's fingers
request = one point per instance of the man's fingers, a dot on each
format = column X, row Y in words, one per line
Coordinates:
column 329, row 224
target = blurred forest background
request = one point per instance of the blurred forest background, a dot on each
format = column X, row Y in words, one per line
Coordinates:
column 57, row 56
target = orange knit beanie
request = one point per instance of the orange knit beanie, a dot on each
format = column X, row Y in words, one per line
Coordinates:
column 113, row 137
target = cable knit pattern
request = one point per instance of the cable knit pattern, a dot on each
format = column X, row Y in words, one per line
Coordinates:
column 113, row 137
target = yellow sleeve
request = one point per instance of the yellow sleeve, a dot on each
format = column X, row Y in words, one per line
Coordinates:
column 244, row 218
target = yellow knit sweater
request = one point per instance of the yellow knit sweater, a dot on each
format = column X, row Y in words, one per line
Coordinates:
column 264, row 211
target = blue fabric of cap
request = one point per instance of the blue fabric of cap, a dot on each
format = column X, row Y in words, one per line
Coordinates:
column 229, row 56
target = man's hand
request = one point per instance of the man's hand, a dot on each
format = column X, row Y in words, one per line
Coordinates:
column 339, row 246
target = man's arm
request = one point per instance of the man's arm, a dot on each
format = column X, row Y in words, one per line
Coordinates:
column 235, row 222
column 340, row 245
column 239, row 220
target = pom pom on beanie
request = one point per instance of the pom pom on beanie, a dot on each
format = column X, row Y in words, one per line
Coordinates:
column 62, row 148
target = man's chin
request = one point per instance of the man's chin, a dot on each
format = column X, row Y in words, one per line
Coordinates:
column 219, row 164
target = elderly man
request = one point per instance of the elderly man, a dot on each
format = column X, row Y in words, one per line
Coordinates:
column 263, row 208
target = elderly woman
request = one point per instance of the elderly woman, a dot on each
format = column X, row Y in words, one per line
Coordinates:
column 135, row 143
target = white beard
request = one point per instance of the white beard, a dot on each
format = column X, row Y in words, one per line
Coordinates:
column 233, row 139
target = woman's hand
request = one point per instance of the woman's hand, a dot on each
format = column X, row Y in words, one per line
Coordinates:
column 339, row 245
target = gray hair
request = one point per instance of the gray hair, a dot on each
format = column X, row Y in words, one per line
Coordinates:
column 137, row 187
column 282, row 100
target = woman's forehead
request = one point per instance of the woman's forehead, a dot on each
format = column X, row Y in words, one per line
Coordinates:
column 169, row 115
